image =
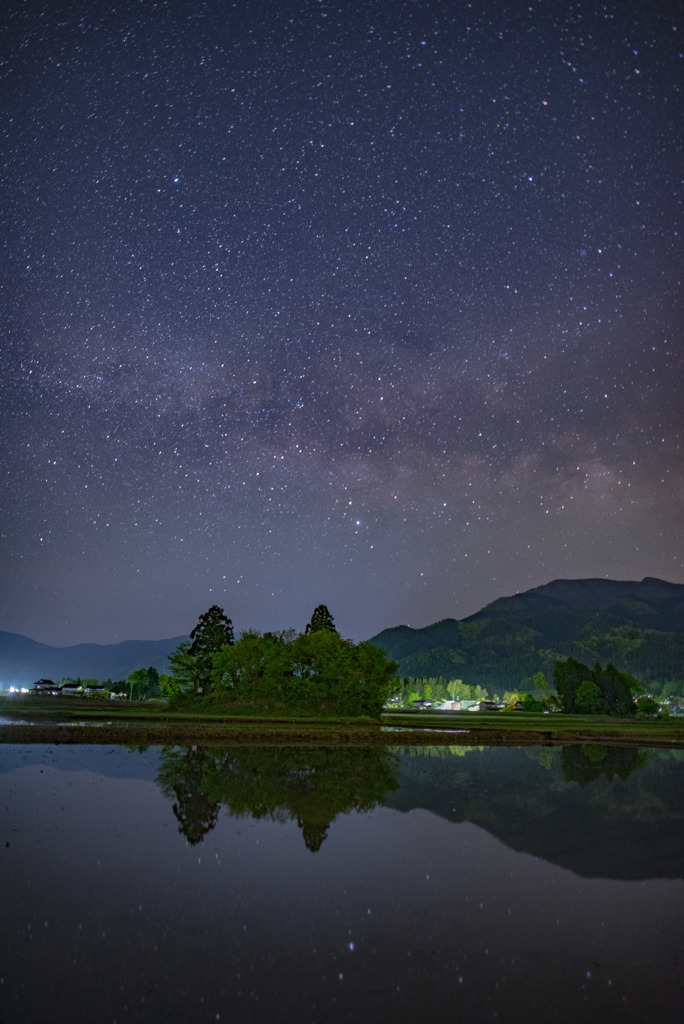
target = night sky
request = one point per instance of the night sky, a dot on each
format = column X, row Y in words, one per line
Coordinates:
column 374, row 304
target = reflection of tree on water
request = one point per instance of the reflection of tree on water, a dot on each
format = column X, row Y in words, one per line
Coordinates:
column 313, row 834
column 182, row 776
column 309, row 785
column 588, row 762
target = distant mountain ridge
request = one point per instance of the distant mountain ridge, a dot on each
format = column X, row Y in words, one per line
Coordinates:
column 639, row 626
column 23, row 661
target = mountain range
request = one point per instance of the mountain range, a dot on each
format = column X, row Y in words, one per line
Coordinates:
column 23, row 661
column 636, row 625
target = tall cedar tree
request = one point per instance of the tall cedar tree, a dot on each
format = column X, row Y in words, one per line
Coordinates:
column 321, row 620
column 213, row 631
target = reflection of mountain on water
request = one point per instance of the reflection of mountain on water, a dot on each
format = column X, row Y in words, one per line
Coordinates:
column 308, row 785
column 600, row 811
column 611, row 812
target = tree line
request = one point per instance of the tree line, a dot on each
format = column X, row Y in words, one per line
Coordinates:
column 577, row 689
column 319, row 672
column 313, row 672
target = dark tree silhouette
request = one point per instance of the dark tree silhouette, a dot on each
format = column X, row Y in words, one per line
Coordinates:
column 321, row 620
column 196, row 815
column 192, row 662
column 213, row 631
column 311, row 785
column 585, row 764
column 183, row 775
column 313, row 834
column 612, row 692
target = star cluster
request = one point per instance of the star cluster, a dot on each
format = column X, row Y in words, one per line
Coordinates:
column 367, row 303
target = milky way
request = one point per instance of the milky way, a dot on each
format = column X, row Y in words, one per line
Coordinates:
column 374, row 304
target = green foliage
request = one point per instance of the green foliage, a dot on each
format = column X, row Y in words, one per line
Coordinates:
column 168, row 686
column 183, row 667
column 671, row 688
column 191, row 663
column 439, row 688
column 472, row 630
column 255, row 670
column 647, row 706
column 153, row 689
column 454, row 688
column 606, row 691
column 542, row 683
column 546, row 757
column 617, row 690
column 313, row 673
column 523, row 702
column 568, row 676
column 142, row 683
column 588, row 698
column 137, row 682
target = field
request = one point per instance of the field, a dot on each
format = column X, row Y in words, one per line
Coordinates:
column 552, row 728
column 72, row 720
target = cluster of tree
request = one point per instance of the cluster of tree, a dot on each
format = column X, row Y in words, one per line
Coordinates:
column 579, row 690
column 140, row 685
column 491, row 663
column 143, row 684
column 509, row 662
column 316, row 671
column 598, row 691
column 440, row 688
column 671, row 689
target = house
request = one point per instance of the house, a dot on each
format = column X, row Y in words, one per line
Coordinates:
column 485, row 705
column 45, row 688
column 72, row 690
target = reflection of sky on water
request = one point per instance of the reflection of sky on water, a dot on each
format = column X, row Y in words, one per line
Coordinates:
column 398, row 916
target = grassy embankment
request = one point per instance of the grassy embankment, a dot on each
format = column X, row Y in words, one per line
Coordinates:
column 93, row 720
column 71, row 720
column 554, row 727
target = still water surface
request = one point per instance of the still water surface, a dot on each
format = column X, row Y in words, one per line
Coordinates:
column 311, row 885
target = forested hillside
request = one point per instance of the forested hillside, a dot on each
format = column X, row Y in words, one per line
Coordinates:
column 638, row 626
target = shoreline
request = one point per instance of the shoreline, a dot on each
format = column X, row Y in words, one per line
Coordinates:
column 294, row 734
column 45, row 720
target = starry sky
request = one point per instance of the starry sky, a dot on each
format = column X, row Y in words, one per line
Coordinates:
column 364, row 302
